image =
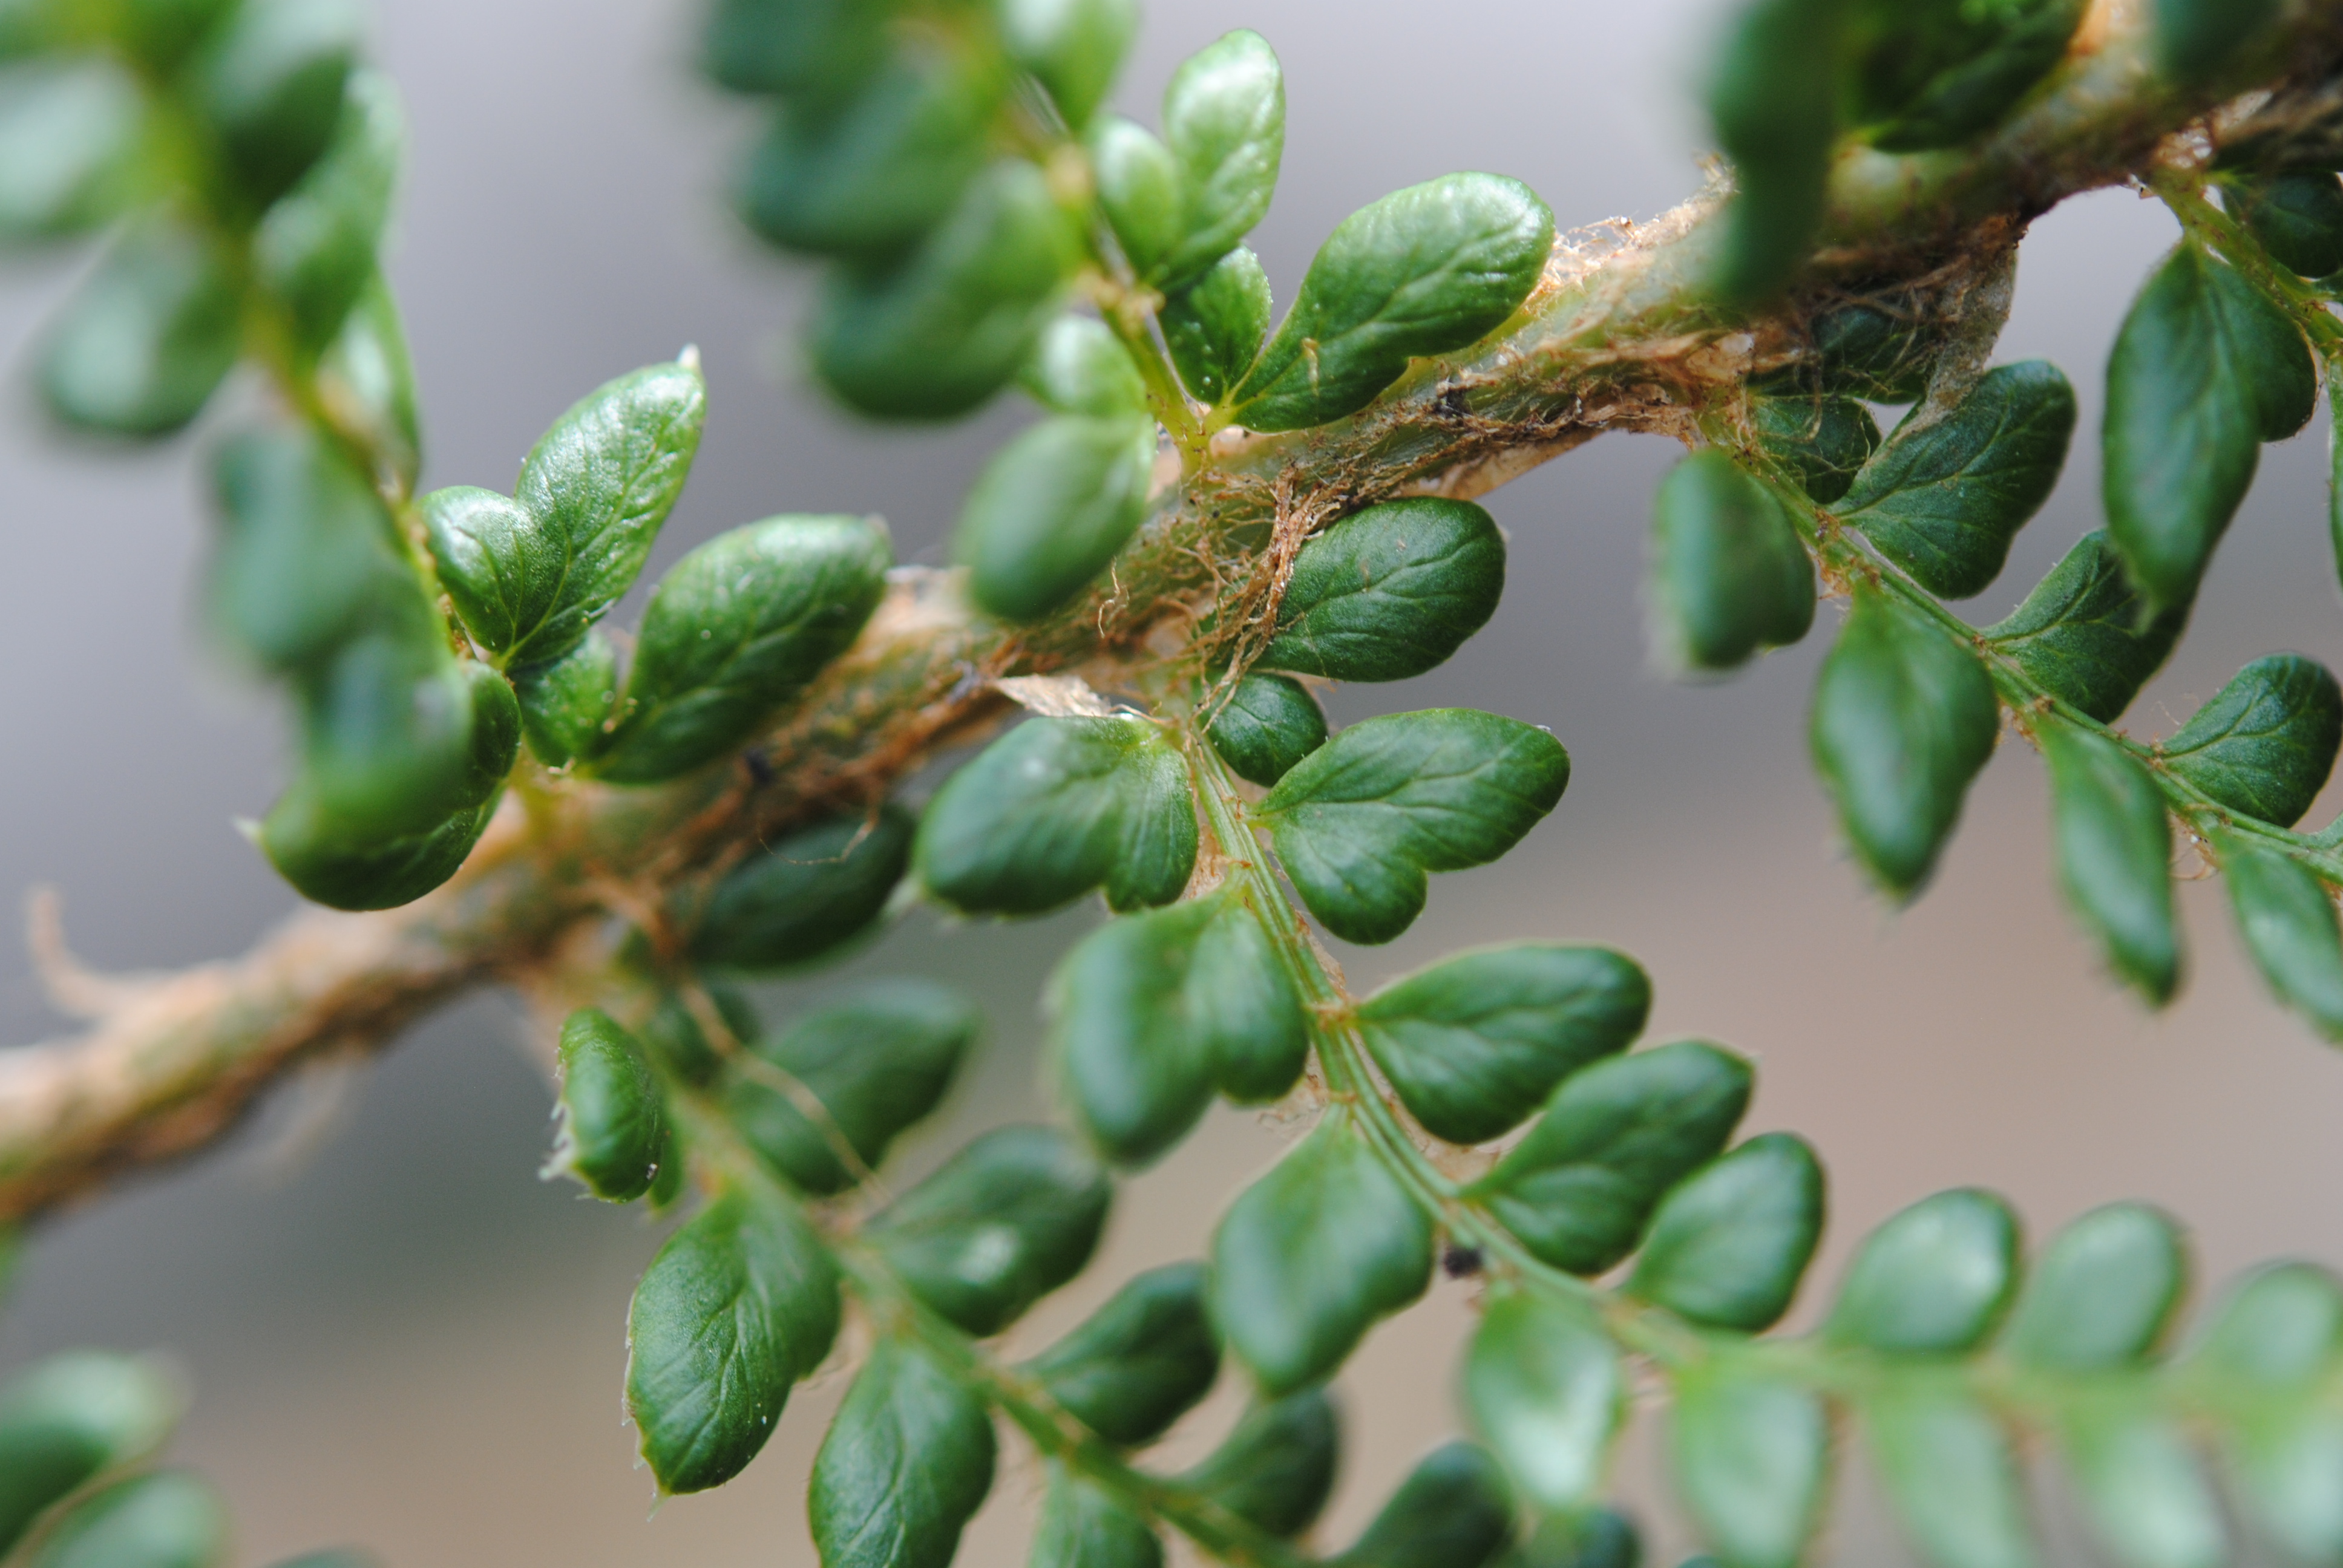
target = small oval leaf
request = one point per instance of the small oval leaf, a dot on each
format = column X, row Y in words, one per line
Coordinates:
column 1390, row 592
column 1728, row 1246
column 1139, row 1362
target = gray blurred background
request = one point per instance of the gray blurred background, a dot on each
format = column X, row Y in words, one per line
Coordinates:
column 400, row 1336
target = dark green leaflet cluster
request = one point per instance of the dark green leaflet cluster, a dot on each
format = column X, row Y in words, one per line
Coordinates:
column 81, row 1435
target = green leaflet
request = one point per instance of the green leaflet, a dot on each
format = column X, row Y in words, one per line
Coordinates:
column 167, row 1519
column 678, row 1045
column 740, row 1304
column 1880, row 353
column 1578, row 1188
column 1138, row 181
column 1454, row 1510
column 1823, row 440
column 2101, row 1294
column 1084, row 1526
column 2195, row 38
column 2286, row 917
column 904, row 1466
column 1390, row 592
column 2114, row 854
column 1750, row 1458
column 793, row 46
column 1728, row 574
column 1150, row 1012
column 1073, row 47
column 1058, row 807
column 1545, row 1387
column 2285, row 1472
column 1224, row 121
column 2278, row 1328
column 388, row 732
column 2142, row 1492
column 2265, row 744
column 1275, row 1469
column 1079, row 368
column 146, row 336
column 1593, row 1538
column 367, row 379
column 1474, row 1042
column 1359, row 822
column 1933, row 76
column 2277, row 1333
column 1214, row 326
column 2203, row 372
column 1051, row 510
column 1772, row 94
column 269, row 80
column 315, row 249
column 68, row 146
column 735, row 631
column 1904, row 718
column 1935, row 1280
column 872, row 168
column 332, row 866
column 878, row 1061
column 1952, row 1476
column 2298, row 216
column 565, row 702
column 69, row 1418
column 1943, row 500
column 2085, row 634
column 1268, row 723
column 612, row 1117
column 1004, row 1221
column 1423, row 271
column 933, row 334
column 1311, row 1254
column 797, row 898
column 1139, row 1362
column 1728, row 1246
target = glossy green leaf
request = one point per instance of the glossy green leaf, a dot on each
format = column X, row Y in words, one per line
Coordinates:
column 934, row 333
column 315, row 249
column 1215, row 325
column 2204, row 371
column 1750, row 1458
column 69, row 1418
column 1729, row 1245
column 2115, row 855
column 1935, row 1280
column 1084, row 1526
column 565, row 702
column 1772, row 95
column 2265, row 744
column 612, row 1118
column 1952, row 1476
column 871, row 168
column 905, row 1465
column 1933, row 76
column 804, row 894
column 387, row 742
column 1824, row 440
column 2142, row 1492
column 1058, row 807
column 1390, row 592
column 2286, row 917
column 1904, row 718
column 269, row 81
column 68, row 146
column 1578, row 1188
column 1240, row 1000
column 1455, row 1510
column 331, row 865
column 1138, row 181
column 793, row 46
column 168, row 1519
column 735, row 631
column 1276, row 1469
column 1943, row 500
column 2195, row 38
column 1224, row 122
column 1728, row 574
column 738, row 1304
column 2085, row 634
column 878, row 1061
column 1423, row 271
column 1476, row 1042
column 2101, row 1294
column 1079, row 367
column 1311, row 1254
column 2298, row 216
column 1073, row 47
column 1051, row 509
column 367, row 378
column 1546, row 1388
column 1139, row 1362
column 1592, row 1538
column 1003, row 1222
column 1359, row 822
column 1268, row 723
column 143, row 342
